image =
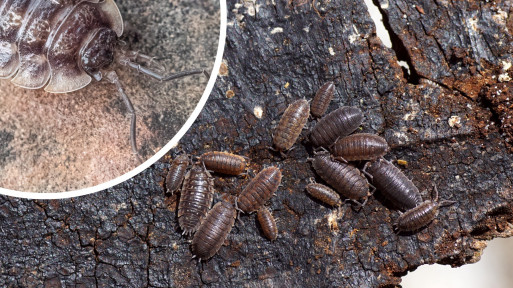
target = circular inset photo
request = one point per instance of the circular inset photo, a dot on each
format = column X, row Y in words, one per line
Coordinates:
column 92, row 93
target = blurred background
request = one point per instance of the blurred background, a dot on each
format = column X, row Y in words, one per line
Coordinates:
column 494, row 270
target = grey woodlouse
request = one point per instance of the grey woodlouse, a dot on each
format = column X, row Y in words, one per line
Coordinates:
column 393, row 184
column 259, row 190
column 62, row 45
column 291, row 123
column 195, row 199
column 346, row 179
column 421, row 215
column 223, row 162
column 176, row 173
column 362, row 146
column 267, row 223
column 213, row 230
column 324, row 194
column 338, row 123
column 322, row 99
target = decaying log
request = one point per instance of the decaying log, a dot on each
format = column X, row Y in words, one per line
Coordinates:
column 441, row 119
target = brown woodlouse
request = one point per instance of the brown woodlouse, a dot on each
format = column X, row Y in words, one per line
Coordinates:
column 63, row 45
column 259, row 190
column 393, row 184
column 267, row 223
column 421, row 215
column 291, row 123
column 324, row 194
column 223, row 162
column 322, row 99
column 346, row 179
column 176, row 173
column 213, row 230
column 195, row 199
column 338, row 123
column 362, row 146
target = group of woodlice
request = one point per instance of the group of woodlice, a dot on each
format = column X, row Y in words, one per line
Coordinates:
column 335, row 147
column 211, row 227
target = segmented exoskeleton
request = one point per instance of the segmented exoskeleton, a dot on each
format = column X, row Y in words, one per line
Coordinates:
column 61, row 45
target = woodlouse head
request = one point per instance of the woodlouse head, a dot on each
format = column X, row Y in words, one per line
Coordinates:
column 98, row 52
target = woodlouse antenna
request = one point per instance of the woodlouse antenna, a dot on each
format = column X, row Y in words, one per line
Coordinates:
column 113, row 78
column 144, row 64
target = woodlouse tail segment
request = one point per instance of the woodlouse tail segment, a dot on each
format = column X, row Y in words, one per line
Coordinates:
column 445, row 203
column 113, row 78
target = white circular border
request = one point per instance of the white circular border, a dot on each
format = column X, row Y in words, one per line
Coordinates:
column 161, row 152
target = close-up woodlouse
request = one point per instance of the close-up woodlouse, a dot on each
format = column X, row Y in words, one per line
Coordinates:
column 176, row 173
column 195, row 199
column 357, row 147
column 224, row 162
column 324, row 194
column 213, row 230
column 338, row 123
column 393, row 184
column 421, row 215
column 267, row 223
column 63, row 45
column 322, row 99
column 291, row 124
column 259, row 190
column 346, row 179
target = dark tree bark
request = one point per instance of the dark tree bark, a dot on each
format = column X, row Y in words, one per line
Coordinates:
column 445, row 119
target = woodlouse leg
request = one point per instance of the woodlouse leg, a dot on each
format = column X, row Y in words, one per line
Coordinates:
column 112, row 77
column 340, row 158
column 373, row 189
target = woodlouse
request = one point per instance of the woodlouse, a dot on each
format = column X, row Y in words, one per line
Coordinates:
column 267, row 223
column 393, row 184
column 63, row 45
column 324, row 194
column 346, row 179
column 322, row 99
column 362, row 146
column 213, row 230
column 259, row 190
column 223, row 162
column 338, row 123
column 291, row 123
column 195, row 199
column 421, row 215
column 176, row 173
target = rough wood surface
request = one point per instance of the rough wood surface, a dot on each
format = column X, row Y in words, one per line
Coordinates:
column 277, row 53
column 62, row 142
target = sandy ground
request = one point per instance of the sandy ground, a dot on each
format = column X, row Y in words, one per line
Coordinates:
column 63, row 142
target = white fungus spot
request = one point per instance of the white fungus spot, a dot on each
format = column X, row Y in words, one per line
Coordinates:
column 258, row 111
column 277, row 30
column 332, row 52
column 454, row 121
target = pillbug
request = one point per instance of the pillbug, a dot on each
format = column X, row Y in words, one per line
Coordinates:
column 259, row 190
column 62, row 45
column 338, row 123
column 223, row 162
column 346, row 179
column 291, row 123
column 324, row 194
column 176, row 173
column 213, row 230
column 267, row 223
column 361, row 146
column 421, row 215
column 393, row 184
column 195, row 199
column 322, row 99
